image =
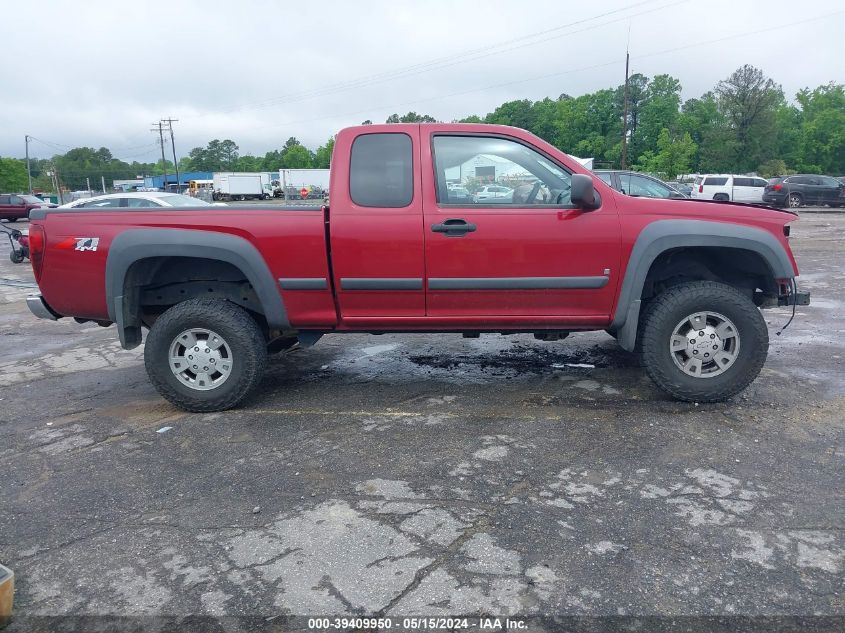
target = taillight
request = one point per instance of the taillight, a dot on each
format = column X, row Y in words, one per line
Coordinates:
column 777, row 187
column 701, row 188
column 37, row 240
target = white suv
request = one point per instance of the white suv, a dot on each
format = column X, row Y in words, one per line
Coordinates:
column 494, row 194
column 729, row 187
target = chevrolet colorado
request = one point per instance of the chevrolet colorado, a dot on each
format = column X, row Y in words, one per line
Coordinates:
column 681, row 282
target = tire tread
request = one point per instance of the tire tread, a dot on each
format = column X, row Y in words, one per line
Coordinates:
column 674, row 299
column 253, row 361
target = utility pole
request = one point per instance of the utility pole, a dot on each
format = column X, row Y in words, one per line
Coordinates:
column 160, row 129
column 173, row 147
column 625, row 115
column 28, row 172
column 103, row 182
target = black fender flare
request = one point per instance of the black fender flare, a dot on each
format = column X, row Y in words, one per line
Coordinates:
column 663, row 235
column 134, row 245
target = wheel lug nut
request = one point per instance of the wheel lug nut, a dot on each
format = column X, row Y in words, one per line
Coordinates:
column 190, row 357
column 692, row 341
column 196, row 349
column 195, row 366
column 712, row 336
column 205, row 368
column 715, row 347
column 695, row 351
column 707, row 355
column 701, row 333
column 207, row 350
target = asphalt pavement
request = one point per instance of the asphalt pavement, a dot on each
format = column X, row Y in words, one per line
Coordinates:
column 427, row 475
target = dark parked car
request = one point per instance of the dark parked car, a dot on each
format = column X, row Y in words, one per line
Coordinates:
column 17, row 206
column 796, row 191
column 640, row 185
column 684, row 187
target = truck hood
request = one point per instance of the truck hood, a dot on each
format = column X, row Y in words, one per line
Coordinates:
column 704, row 209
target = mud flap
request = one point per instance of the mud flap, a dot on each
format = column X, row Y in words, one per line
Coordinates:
column 128, row 323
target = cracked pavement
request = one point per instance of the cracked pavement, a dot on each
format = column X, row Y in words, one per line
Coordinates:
column 427, row 475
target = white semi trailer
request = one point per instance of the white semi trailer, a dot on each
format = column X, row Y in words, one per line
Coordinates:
column 242, row 186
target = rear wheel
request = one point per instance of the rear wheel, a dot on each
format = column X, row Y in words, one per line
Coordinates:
column 721, row 197
column 16, row 256
column 794, row 200
column 703, row 341
column 205, row 355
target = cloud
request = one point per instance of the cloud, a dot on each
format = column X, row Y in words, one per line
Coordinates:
column 99, row 73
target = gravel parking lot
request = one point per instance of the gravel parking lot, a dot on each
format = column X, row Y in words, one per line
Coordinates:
column 435, row 475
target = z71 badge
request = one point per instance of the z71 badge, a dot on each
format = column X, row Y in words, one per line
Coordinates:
column 87, row 243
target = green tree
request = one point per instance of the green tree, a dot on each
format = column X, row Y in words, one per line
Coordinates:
column 323, row 155
column 411, row 117
column 658, row 110
column 822, row 136
column 216, row 156
column 672, row 158
column 248, row 163
column 749, row 101
column 296, row 156
column 772, row 168
column 13, row 175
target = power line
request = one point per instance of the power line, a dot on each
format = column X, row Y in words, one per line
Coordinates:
column 554, row 74
column 446, row 61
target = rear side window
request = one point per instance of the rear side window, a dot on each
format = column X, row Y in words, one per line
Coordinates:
column 381, row 171
column 5, row 200
column 743, row 182
column 718, row 182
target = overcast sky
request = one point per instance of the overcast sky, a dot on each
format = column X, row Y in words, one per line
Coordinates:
column 98, row 73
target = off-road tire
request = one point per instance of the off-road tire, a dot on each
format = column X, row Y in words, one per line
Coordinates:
column 667, row 309
column 235, row 325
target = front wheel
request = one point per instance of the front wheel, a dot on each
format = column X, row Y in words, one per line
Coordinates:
column 205, row 355
column 703, row 341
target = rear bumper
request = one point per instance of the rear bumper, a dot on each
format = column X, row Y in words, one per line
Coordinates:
column 39, row 308
column 771, row 198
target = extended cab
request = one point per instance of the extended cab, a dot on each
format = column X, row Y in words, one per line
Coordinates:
column 404, row 249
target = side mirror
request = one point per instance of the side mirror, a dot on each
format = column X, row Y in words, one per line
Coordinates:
column 582, row 193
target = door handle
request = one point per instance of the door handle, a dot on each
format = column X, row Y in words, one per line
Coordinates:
column 454, row 227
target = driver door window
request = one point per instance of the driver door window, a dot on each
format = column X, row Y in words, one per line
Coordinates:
column 478, row 171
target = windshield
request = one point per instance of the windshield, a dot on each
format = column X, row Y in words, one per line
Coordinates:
column 33, row 199
column 178, row 200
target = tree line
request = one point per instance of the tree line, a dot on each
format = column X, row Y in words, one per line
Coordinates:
column 745, row 124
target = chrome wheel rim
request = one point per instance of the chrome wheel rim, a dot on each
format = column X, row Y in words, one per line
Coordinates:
column 794, row 201
column 200, row 359
column 704, row 344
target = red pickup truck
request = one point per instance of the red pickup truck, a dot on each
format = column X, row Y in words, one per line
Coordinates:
column 409, row 245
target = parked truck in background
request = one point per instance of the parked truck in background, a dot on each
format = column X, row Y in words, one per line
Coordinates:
column 242, row 186
column 314, row 181
column 680, row 282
